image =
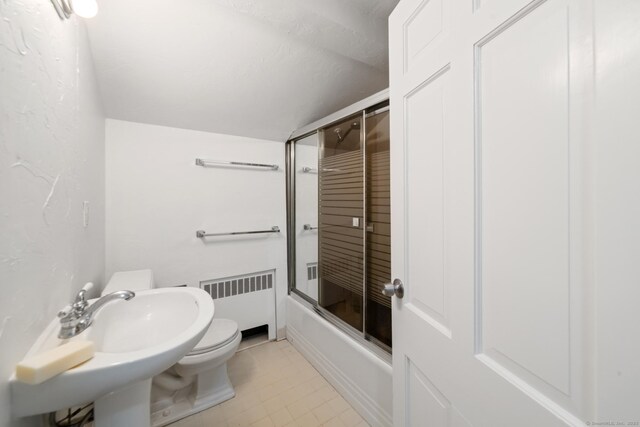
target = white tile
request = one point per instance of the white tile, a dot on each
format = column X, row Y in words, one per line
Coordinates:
column 266, row 392
column 307, row 420
column 351, row 418
column 324, row 412
column 298, row 409
column 274, row 404
column 334, row 422
column 263, row 422
column 247, row 418
column 318, row 382
column 339, row 405
column 213, row 416
column 281, row 417
column 276, row 387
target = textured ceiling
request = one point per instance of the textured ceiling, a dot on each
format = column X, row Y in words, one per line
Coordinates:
column 259, row 68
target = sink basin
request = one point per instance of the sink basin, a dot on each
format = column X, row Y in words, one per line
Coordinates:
column 135, row 340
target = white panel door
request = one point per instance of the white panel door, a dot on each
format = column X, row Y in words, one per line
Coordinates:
column 497, row 212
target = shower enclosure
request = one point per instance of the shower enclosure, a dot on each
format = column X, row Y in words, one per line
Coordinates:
column 339, row 221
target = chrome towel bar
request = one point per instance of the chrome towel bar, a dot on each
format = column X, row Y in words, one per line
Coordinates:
column 201, row 233
column 205, row 162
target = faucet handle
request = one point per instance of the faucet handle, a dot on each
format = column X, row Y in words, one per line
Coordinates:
column 80, row 302
column 80, row 297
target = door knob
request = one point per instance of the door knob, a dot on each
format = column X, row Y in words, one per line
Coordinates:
column 395, row 288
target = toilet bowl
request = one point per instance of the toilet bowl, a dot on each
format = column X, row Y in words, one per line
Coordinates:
column 197, row 381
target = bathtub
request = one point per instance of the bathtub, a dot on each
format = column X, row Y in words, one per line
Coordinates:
column 361, row 376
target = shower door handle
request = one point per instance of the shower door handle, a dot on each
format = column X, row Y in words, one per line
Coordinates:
column 396, row 288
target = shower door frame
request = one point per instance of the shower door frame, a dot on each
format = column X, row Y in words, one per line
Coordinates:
column 362, row 109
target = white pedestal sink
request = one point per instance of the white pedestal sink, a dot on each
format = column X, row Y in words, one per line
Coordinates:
column 134, row 340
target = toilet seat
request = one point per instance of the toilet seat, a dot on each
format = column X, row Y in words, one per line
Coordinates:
column 194, row 364
column 220, row 333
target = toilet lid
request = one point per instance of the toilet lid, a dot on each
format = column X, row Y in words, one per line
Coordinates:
column 220, row 333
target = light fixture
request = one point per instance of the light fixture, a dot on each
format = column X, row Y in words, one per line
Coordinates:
column 83, row 8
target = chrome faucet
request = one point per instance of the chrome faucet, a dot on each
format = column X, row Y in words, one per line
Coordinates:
column 80, row 316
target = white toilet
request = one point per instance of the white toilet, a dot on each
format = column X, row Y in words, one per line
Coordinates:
column 199, row 380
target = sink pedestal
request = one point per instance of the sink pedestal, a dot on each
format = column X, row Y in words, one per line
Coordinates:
column 125, row 407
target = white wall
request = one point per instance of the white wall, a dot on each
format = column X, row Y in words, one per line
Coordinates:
column 51, row 160
column 157, row 198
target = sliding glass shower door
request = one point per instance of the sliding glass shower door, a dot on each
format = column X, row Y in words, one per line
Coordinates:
column 341, row 215
column 353, row 233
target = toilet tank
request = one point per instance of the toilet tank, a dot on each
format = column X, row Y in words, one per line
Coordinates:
column 137, row 280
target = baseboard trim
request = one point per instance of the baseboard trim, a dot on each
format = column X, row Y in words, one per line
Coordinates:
column 358, row 398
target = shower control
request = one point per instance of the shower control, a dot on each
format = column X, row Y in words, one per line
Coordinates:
column 395, row 288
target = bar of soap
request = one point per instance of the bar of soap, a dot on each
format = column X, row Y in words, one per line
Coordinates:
column 43, row 366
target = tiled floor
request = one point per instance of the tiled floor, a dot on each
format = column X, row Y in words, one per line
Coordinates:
column 276, row 386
